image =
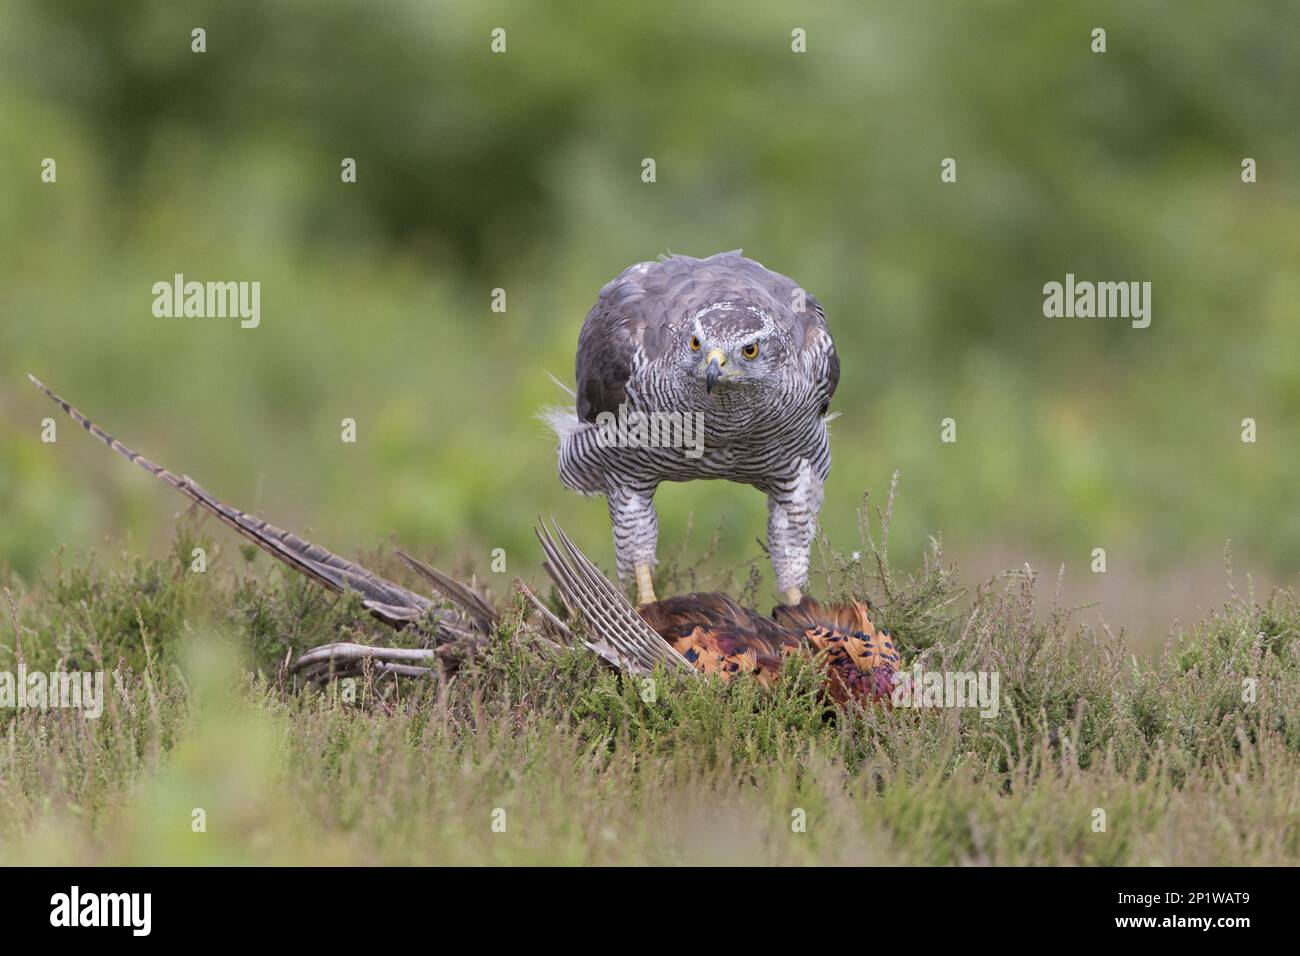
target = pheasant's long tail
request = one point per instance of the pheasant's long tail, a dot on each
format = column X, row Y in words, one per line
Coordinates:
column 622, row 637
column 389, row 602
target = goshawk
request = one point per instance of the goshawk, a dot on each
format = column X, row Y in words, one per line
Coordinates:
column 702, row 368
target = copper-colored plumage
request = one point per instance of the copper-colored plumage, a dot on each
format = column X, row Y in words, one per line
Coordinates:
column 718, row 636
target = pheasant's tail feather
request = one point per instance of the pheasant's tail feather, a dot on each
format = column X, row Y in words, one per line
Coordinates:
column 478, row 609
column 623, row 639
column 389, row 602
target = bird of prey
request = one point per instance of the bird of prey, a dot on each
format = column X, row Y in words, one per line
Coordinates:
column 696, row 633
column 724, row 342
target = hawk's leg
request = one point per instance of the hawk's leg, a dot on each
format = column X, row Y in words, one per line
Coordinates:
column 636, row 532
column 792, row 508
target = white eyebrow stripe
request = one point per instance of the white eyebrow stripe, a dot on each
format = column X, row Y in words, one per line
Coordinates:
column 727, row 306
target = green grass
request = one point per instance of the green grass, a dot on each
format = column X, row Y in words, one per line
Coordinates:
column 202, row 715
column 522, row 172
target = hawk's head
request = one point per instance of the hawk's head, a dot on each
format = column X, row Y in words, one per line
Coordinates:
column 733, row 345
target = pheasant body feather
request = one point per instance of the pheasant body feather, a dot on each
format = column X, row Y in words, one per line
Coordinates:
column 718, row 636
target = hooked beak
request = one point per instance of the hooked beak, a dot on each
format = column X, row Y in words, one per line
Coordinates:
column 717, row 359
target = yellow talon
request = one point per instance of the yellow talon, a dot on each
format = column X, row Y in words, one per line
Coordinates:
column 793, row 596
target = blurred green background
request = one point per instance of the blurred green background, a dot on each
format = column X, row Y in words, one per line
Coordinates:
column 522, row 171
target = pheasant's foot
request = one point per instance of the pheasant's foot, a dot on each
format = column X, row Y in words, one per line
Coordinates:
column 645, row 587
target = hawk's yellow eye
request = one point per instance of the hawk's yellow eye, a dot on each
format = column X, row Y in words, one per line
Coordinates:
column 750, row 351
column 695, row 344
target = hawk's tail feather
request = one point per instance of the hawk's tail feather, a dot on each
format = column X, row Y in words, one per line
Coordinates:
column 387, row 601
column 624, row 639
column 562, row 420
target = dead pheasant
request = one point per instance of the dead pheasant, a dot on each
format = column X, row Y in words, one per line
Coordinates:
column 696, row 633
column 860, row 661
column 714, row 635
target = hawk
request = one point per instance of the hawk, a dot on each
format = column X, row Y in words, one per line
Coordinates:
column 728, row 343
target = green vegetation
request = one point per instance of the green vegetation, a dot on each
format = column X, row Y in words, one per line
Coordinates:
column 521, row 171
column 202, row 715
